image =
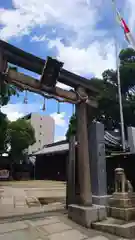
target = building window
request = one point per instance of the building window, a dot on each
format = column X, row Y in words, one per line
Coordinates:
column 40, row 126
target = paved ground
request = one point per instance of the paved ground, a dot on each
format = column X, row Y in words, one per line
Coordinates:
column 15, row 193
column 56, row 227
column 52, row 227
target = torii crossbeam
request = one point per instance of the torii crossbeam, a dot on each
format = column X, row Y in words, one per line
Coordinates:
column 11, row 54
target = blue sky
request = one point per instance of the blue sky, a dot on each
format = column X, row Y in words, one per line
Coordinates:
column 79, row 33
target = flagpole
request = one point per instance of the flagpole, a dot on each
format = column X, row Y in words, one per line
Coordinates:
column 132, row 41
column 119, row 83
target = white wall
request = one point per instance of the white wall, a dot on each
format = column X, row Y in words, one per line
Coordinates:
column 44, row 131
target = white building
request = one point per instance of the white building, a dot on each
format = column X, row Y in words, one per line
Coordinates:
column 44, row 131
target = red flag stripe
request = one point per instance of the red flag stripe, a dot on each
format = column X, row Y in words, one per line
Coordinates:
column 122, row 22
column 126, row 29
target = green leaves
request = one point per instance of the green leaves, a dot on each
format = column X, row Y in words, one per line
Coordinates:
column 72, row 127
column 6, row 91
column 21, row 136
column 127, row 55
column 3, row 132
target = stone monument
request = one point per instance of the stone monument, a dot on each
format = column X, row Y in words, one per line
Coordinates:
column 121, row 209
column 122, row 203
column 97, row 163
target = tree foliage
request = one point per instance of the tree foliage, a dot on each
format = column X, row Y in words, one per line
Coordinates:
column 21, row 136
column 108, row 104
column 6, row 91
column 72, row 127
column 3, row 132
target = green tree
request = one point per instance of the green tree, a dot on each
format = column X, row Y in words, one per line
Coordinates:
column 72, row 127
column 108, row 104
column 6, row 91
column 21, row 135
column 3, row 132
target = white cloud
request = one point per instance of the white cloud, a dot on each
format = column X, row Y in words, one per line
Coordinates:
column 79, row 16
column 13, row 116
column 15, row 111
column 89, row 52
column 63, row 86
column 59, row 138
column 94, row 59
column 40, row 38
column 130, row 6
column 29, row 14
column 59, row 119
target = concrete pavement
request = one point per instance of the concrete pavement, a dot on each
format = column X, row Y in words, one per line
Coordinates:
column 14, row 215
column 56, row 227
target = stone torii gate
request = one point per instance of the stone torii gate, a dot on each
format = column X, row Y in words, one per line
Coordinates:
column 83, row 95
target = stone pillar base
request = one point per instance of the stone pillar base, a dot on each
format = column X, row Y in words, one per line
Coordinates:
column 126, row 214
column 100, row 200
column 85, row 216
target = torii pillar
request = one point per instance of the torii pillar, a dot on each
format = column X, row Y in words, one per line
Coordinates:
column 83, row 212
column 83, row 166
